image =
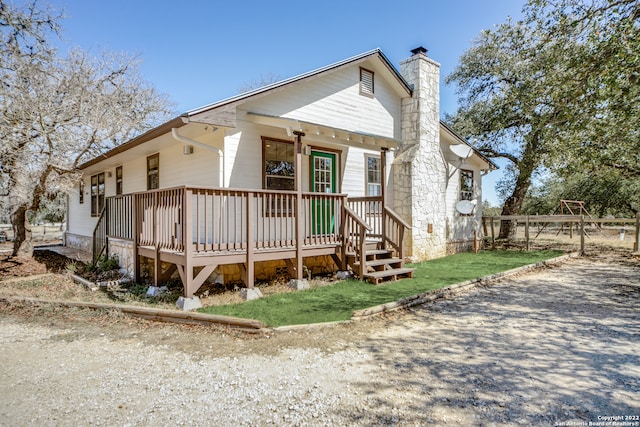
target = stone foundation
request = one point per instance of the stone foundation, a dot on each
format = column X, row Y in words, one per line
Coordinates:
column 78, row 241
column 123, row 249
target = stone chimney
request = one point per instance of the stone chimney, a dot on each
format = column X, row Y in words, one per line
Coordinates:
column 419, row 171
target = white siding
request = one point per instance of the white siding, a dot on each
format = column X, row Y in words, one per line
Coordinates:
column 176, row 169
column 460, row 227
column 331, row 99
column 335, row 100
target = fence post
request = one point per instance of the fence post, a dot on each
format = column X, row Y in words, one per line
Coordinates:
column 493, row 235
column 636, row 244
column 581, row 234
column 526, row 231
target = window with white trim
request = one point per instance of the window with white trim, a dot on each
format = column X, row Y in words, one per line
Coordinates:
column 466, row 184
column 97, row 194
column 366, row 82
column 119, row 180
column 373, row 178
column 153, row 172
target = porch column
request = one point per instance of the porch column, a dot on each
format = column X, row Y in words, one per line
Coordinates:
column 383, row 187
column 297, row 167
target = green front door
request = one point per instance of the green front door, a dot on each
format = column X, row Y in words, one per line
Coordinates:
column 323, row 180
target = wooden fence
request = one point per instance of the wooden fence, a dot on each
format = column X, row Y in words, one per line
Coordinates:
column 579, row 222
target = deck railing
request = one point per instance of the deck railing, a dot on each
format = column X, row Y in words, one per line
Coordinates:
column 354, row 234
column 233, row 220
column 120, row 219
column 394, row 228
column 371, row 211
column 227, row 220
column 100, row 235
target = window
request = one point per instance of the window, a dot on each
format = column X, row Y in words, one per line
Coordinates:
column 374, row 176
column 119, row 180
column 81, row 192
column 279, row 172
column 466, row 185
column 153, row 172
column 97, row 194
column 366, row 82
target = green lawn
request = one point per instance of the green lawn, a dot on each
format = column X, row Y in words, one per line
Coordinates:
column 339, row 300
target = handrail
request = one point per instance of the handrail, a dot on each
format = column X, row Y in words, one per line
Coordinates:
column 359, row 242
column 396, row 217
column 100, row 235
column 394, row 233
column 356, row 218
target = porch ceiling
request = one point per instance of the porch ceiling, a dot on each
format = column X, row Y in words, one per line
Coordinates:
column 324, row 133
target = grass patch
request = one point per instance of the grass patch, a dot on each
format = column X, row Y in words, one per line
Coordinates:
column 337, row 301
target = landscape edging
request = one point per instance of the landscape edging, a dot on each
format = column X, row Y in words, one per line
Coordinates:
column 256, row 326
column 453, row 289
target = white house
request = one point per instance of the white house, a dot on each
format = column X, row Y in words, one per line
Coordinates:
column 347, row 166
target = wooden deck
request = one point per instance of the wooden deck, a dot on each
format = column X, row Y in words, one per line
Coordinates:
column 203, row 228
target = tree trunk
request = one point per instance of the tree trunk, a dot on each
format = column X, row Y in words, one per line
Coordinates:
column 513, row 205
column 22, row 242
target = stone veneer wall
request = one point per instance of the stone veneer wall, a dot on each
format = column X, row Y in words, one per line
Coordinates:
column 78, row 241
column 123, row 249
column 419, row 170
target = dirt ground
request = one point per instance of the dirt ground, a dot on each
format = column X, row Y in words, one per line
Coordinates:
column 555, row 347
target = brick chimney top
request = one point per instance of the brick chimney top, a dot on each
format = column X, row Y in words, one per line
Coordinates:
column 419, row 50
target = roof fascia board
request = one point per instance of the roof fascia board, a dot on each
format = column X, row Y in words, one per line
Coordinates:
column 354, row 59
column 457, row 136
column 176, row 122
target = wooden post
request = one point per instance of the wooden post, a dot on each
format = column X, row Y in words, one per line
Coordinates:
column 187, row 240
column 106, row 228
column 636, row 244
column 383, row 185
column 526, row 232
column 344, row 227
column 250, row 244
column 136, row 238
column 493, row 235
column 298, row 218
column 581, row 234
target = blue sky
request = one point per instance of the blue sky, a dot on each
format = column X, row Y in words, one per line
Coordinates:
column 200, row 51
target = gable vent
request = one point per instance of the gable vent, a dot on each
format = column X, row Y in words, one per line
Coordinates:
column 366, row 82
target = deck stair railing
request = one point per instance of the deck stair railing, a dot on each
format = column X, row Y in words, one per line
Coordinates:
column 210, row 221
column 116, row 220
column 100, row 235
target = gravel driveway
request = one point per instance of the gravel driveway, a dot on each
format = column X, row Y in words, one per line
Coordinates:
column 554, row 347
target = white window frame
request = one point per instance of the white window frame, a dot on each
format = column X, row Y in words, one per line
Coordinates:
column 366, row 175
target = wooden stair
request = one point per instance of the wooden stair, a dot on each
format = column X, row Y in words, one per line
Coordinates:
column 380, row 266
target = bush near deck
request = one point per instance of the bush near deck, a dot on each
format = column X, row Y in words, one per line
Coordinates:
column 337, row 301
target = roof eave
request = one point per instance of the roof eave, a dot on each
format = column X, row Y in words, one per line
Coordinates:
column 176, row 122
column 492, row 165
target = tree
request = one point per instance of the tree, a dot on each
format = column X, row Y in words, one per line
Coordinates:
column 608, row 193
column 554, row 90
column 262, row 81
column 503, row 81
column 57, row 112
column 604, row 132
